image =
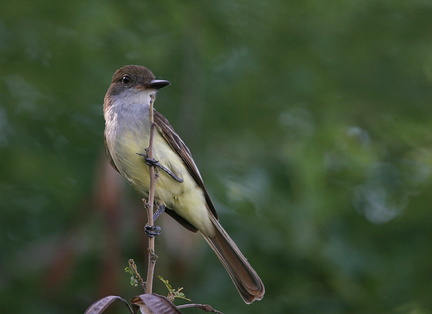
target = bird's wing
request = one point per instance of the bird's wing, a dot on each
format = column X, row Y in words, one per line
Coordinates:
column 176, row 143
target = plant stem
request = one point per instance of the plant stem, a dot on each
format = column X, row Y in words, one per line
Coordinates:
column 152, row 257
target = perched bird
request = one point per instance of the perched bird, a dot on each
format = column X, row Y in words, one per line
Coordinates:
column 179, row 188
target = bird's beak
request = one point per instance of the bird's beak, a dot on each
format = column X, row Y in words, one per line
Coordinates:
column 157, row 84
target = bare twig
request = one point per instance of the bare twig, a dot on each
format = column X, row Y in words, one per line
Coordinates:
column 149, row 205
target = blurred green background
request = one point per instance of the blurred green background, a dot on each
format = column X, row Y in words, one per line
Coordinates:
column 310, row 122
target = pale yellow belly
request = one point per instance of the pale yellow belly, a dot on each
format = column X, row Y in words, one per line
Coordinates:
column 185, row 198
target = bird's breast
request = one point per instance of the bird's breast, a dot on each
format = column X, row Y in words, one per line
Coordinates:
column 127, row 140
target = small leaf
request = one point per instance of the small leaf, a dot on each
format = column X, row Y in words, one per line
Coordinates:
column 172, row 293
column 167, row 284
column 133, row 282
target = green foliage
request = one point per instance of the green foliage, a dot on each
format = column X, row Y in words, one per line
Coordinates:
column 173, row 293
column 133, row 281
column 309, row 120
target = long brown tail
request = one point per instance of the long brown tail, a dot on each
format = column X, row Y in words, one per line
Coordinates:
column 246, row 280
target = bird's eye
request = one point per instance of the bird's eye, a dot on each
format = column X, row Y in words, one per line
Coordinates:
column 125, row 79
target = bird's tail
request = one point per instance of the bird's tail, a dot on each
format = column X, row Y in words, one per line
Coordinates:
column 246, row 280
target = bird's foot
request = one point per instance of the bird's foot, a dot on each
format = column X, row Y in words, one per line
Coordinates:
column 155, row 163
column 152, row 231
column 158, row 212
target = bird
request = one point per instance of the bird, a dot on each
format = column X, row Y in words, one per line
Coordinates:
column 180, row 188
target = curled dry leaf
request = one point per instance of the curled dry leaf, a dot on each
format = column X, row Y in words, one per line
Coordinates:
column 154, row 303
column 102, row 304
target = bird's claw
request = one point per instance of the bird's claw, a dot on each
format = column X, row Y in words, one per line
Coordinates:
column 155, row 163
column 152, row 231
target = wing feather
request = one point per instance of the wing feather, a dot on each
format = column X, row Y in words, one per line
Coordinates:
column 176, row 143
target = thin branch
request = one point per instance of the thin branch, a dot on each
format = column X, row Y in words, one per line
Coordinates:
column 152, row 257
